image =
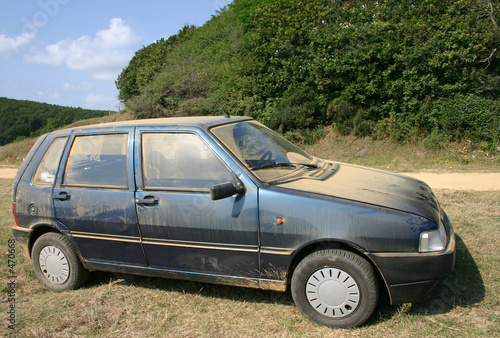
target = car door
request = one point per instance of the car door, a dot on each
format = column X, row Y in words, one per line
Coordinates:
column 182, row 228
column 94, row 196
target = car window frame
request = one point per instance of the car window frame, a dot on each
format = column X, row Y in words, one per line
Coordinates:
column 140, row 180
column 129, row 132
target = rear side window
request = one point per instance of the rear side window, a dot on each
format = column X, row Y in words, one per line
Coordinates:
column 178, row 160
column 46, row 172
column 98, row 161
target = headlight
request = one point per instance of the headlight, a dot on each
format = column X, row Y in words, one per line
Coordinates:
column 433, row 240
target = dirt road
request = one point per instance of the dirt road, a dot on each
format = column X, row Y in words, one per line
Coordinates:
column 7, row 173
column 469, row 181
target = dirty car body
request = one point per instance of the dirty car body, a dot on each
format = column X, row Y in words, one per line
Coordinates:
column 228, row 201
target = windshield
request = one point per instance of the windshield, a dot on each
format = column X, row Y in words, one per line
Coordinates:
column 263, row 151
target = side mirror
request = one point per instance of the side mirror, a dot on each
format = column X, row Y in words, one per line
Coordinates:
column 224, row 190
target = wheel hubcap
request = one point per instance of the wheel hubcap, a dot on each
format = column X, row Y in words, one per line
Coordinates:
column 54, row 265
column 332, row 292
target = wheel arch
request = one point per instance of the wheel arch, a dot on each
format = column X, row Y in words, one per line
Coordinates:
column 312, row 247
column 42, row 229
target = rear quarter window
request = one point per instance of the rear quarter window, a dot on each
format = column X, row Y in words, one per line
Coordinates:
column 46, row 172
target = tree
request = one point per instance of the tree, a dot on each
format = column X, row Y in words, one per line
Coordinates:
column 368, row 67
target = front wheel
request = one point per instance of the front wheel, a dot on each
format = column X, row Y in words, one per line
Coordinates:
column 335, row 288
column 56, row 263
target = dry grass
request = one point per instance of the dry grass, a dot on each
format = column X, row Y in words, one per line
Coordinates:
column 408, row 157
column 382, row 154
column 12, row 154
column 466, row 303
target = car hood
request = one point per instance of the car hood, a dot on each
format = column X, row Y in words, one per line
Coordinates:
column 374, row 187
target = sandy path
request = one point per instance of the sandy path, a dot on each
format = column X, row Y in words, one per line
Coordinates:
column 7, row 173
column 469, row 181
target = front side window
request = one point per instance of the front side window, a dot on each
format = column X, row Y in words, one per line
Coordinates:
column 98, row 161
column 180, row 160
column 46, row 172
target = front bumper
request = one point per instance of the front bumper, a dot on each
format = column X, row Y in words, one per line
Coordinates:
column 412, row 277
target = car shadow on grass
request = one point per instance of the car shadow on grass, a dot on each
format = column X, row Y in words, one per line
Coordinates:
column 236, row 293
column 463, row 287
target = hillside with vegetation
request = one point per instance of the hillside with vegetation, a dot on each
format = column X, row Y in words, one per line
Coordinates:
column 21, row 119
column 403, row 70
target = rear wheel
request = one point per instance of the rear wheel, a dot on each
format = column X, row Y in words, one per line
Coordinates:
column 56, row 263
column 335, row 288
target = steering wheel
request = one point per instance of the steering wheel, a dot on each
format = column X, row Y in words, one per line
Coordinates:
column 268, row 154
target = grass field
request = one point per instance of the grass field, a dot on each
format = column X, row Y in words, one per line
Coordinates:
column 459, row 157
column 466, row 303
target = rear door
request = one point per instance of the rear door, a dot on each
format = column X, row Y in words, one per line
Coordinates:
column 94, row 196
column 182, row 228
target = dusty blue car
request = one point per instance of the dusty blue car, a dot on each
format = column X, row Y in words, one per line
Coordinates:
column 228, row 201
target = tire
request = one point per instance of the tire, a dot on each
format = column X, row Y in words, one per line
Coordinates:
column 335, row 288
column 56, row 263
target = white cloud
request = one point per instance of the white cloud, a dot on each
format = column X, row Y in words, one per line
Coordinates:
column 103, row 56
column 9, row 46
column 95, row 101
column 81, row 87
column 55, row 96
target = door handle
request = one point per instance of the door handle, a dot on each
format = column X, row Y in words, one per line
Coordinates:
column 148, row 200
column 62, row 196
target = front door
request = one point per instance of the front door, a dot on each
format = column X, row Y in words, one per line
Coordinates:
column 182, row 228
column 94, row 198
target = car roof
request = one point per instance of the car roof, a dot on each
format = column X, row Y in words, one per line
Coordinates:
column 199, row 121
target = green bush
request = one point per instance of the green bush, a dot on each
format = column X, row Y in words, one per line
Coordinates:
column 399, row 69
column 297, row 110
column 467, row 117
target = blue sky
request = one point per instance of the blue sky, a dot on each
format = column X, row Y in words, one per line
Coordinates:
column 70, row 52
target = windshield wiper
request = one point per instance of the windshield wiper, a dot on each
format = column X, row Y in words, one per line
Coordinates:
column 273, row 165
column 310, row 165
column 284, row 164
